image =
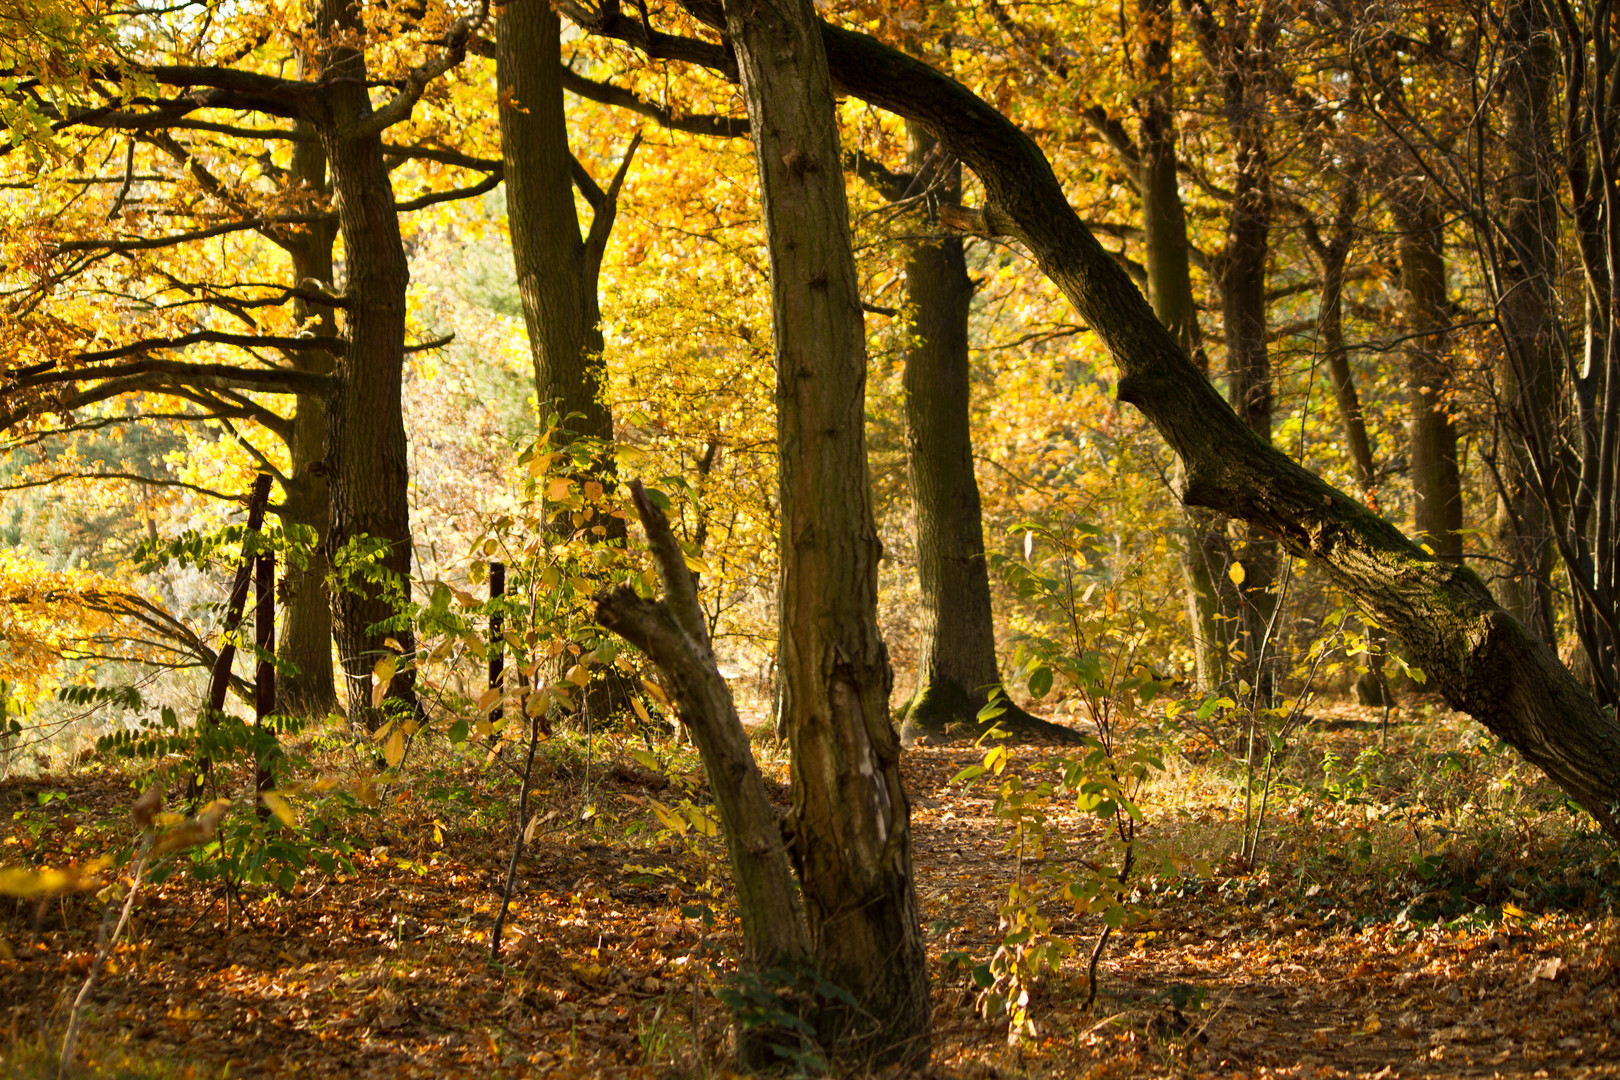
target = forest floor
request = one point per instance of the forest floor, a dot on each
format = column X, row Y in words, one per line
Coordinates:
column 1387, row 931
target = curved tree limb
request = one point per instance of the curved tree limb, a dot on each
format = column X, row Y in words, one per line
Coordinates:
column 1484, row 662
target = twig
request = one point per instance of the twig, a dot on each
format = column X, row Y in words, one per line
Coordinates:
column 108, row 943
column 517, row 843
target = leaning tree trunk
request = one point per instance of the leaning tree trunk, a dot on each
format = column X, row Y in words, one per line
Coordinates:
column 1482, row 659
column 957, row 670
column 304, row 639
column 675, row 634
column 368, row 470
column 851, row 822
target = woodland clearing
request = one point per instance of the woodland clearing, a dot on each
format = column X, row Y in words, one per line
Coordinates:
column 1500, row 958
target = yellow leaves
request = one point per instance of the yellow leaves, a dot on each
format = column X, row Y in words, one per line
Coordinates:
column 280, row 809
column 681, row 819
column 1237, row 573
column 394, row 749
column 27, row 884
column 45, row 614
column 656, row 691
column 382, row 675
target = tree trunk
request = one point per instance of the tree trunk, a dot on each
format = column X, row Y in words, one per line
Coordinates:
column 957, row 670
column 368, row 469
column 556, row 270
column 1483, row 660
column 1431, row 435
column 1248, row 360
column 1371, row 687
column 306, row 621
column 1525, row 372
column 1204, row 551
column 1335, row 254
column 851, row 822
column 674, row 633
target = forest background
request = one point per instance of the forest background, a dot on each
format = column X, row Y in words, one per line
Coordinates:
column 451, row 275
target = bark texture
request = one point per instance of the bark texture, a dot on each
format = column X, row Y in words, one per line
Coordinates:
column 850, row 822
column 1238, row 55
column 1526, row 375
column 366, row 457
column 1169, row 280
column 306, row 620
column 674, row 633
column 557, row 270
column 957, row 668
column 1431, row 434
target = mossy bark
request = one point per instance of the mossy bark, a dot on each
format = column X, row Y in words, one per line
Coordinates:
column 957, row 668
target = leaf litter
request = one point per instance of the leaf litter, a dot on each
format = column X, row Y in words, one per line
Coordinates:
column 614, row 943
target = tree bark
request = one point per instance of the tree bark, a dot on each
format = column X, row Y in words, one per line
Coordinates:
column 1431, row 434
column 557, row 270
column 306, row 630
column 1526, row 371
column 850, row 822
column 957, row 669
column 674, row 633
column 1204, row 552
column 367, row 466
column 1238, row 56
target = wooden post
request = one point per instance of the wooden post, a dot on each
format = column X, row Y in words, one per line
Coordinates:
column 220, row 680
column 264, row 640
column 497, row 650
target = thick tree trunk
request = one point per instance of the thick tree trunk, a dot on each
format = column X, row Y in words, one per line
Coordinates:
column 851, row 821
column 367, row 465
column 957, row 669
column 1169, row 278
column 1431, row 435
column 1483, row 660
column 556, row 270
column 1526, row 371
column 306, row 623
